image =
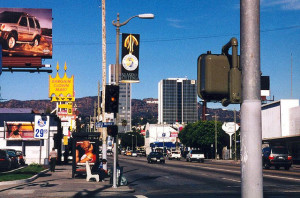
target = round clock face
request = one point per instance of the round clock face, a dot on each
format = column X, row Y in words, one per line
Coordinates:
column 130, row 62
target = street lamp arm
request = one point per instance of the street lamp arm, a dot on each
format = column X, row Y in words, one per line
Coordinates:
column 142, row 16
column 118, row 24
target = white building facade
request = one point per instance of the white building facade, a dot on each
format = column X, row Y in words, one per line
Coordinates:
column 161, row 135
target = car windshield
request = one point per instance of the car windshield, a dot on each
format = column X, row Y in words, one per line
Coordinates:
column 279, row 151
column 196, row 152
column 11, row 153
column 156, row 154
column 9, row 17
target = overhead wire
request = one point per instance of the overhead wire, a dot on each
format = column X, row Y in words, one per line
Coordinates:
column 179, row 38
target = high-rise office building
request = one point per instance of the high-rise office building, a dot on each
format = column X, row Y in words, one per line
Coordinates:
column 177, row 101
column 124, row 100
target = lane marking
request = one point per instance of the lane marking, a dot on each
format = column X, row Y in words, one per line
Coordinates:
column 231, row 180
column 279, row 177
column 140, row 196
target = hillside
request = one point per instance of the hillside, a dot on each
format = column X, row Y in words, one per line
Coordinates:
column 140, row 109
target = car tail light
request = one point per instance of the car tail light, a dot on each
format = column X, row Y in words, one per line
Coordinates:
column 2, row 27
column 2, row 159
column 271, row 157
column 290, row 158
column 191, row 155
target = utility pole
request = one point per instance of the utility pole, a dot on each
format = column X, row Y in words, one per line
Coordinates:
column 104, row 130
column 251, row 130
column 216, row 138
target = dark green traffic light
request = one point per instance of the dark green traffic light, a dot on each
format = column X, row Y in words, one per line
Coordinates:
column 219, row 76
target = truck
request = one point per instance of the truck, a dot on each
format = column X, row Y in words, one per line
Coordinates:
column 195, row 155
column 174, row 155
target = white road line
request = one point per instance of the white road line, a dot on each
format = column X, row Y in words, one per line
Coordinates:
column 279, row 177
column 265, row 175
column 140, row 196
column 231, row 179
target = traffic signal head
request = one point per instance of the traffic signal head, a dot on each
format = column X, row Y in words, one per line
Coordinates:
column 112, row 130
column 212, row 82
column 219, row 76
column 112, row 99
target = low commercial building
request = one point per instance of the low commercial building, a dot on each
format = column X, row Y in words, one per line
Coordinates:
column 17, row 132
column 281, row 125
column 161, row 136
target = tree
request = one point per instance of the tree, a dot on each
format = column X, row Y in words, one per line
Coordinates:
column 201, row 135
column 131, row 139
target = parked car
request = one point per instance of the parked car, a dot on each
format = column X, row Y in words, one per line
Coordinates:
column 19, row 27
column 21, row 157
column 156, row 157
column 276, row 156
column 13, row 157
column 5, row 161
column 195, row 155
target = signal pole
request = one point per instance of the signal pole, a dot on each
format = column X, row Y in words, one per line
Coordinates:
column 104, row 130
column 251, row 130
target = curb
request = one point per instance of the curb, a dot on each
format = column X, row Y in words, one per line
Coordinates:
column 119, row 189
column 22, row 181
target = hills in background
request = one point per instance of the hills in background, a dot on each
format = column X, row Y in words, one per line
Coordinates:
column 140, row 109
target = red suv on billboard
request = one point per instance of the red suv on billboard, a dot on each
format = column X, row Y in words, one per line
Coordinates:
column 19, row 27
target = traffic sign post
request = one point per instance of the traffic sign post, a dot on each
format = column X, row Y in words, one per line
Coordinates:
column 41, row 131
column 104, row 124
column 230, row 128
column 41, row 127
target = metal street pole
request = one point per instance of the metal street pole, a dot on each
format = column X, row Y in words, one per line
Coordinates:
column 235, row 134
column 136, row 142
column 216, row 136
column 132, row 142
column 251, row 130
column 117, row 24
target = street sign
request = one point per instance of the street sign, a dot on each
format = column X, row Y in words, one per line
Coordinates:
column 230, row 127
column 41, row 127
column 103, row 124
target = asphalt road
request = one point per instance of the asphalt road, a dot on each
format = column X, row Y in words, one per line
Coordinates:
column 193, row 179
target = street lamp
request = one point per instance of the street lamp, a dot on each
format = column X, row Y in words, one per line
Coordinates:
column 117, row 24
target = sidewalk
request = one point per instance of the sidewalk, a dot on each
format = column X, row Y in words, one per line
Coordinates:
column 61, row 184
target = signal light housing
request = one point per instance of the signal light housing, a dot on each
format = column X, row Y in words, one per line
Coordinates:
column 112, row 99
column 112, row 130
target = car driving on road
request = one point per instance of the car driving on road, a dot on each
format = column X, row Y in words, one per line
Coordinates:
column 276, row 156
column 156, row 157
column 19, row 27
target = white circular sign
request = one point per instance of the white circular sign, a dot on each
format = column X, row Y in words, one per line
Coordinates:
column 130, row 62
column 230, row 127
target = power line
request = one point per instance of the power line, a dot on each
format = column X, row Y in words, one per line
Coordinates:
column 180, row 38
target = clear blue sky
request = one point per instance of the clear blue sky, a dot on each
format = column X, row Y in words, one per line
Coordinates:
column 170, row 43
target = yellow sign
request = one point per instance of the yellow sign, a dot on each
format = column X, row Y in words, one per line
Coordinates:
column 65, row 140
column 61, row 89
column 65, row 106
